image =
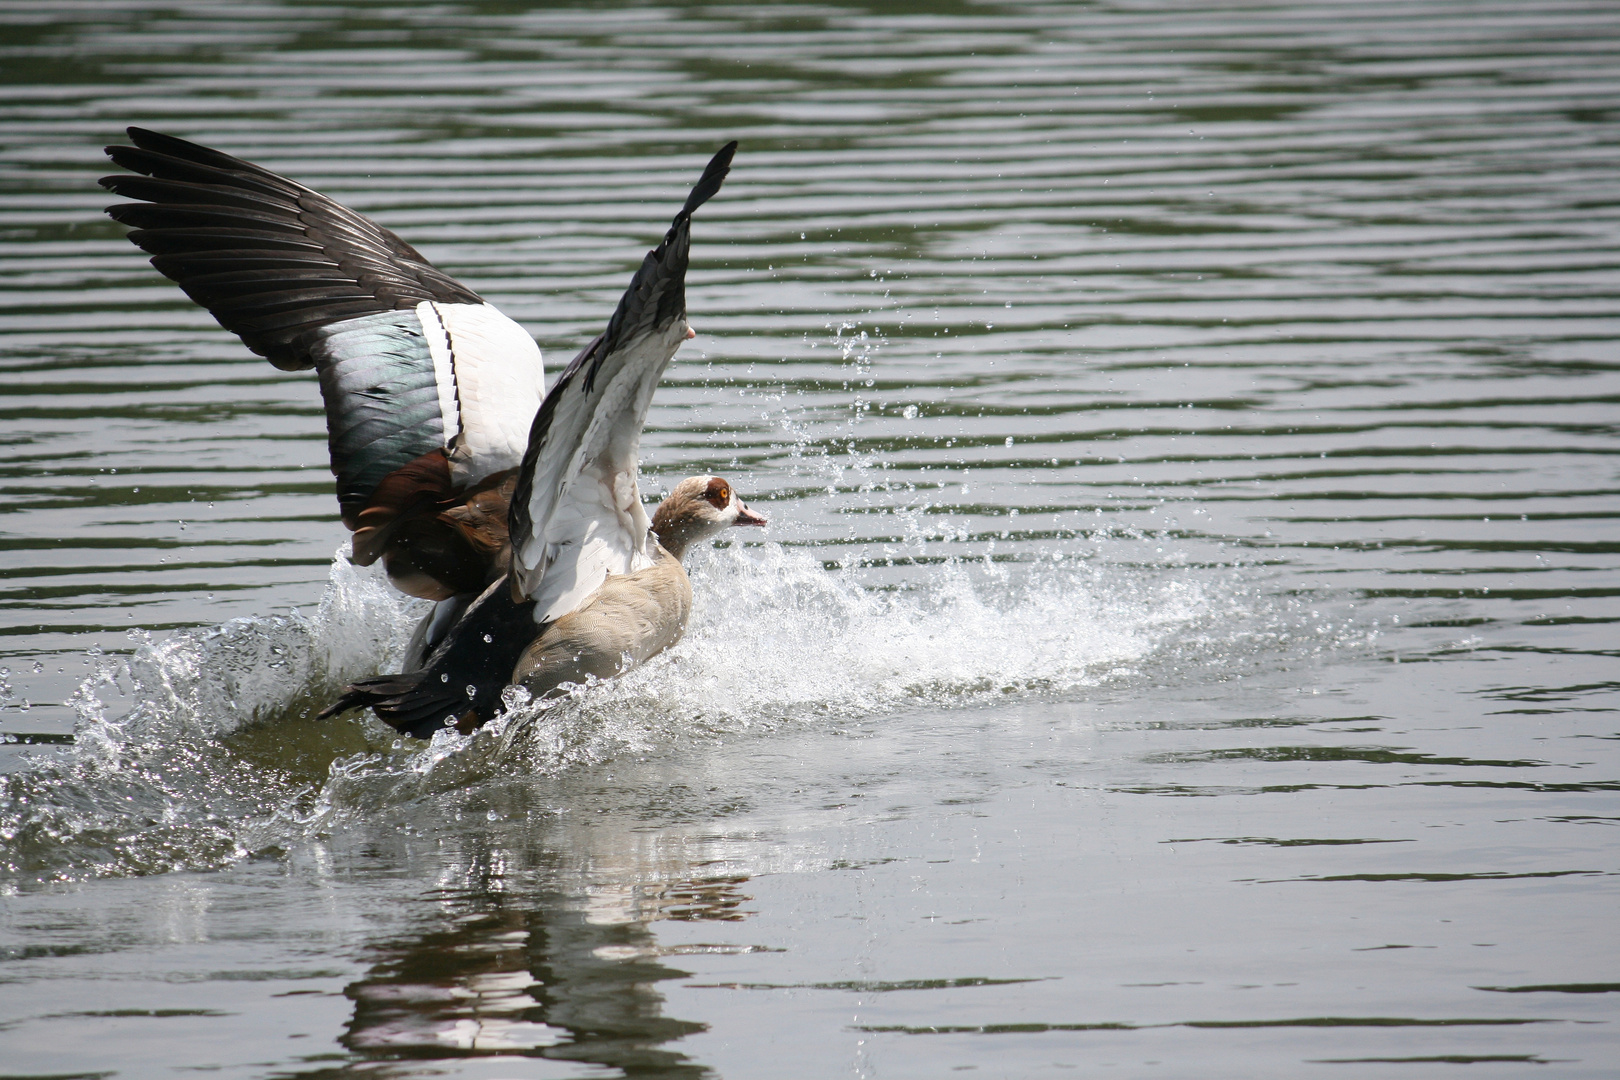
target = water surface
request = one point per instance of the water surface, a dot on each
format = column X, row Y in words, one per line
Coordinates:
column 1184, row 645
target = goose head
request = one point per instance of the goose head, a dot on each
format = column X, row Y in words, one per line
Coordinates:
column 700, row 507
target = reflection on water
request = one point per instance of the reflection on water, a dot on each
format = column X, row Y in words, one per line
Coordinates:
column 559, row 977
column 538, row 938
column 1184, row 640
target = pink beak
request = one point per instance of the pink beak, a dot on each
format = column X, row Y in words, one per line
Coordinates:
column 746, row 516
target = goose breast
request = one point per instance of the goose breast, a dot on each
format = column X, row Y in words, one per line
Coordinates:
column 628, row 620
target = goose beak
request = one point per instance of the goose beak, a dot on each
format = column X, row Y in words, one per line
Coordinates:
column 746, row 516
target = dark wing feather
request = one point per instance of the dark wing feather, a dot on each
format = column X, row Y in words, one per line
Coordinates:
column 173, row 242
column 198, row 200
column 657, row 293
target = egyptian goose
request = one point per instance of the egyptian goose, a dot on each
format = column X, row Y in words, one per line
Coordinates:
column 453, row 468
column 505, row 636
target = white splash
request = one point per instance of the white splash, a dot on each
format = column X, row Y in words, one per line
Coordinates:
column 150, row 784
column 207, row 683
column 167, row 781
column 776, row 639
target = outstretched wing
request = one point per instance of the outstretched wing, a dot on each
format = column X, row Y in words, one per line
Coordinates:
column 576, row 513
column 410, row 360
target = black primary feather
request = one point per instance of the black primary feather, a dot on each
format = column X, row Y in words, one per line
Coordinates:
column 660, row 283
column 199, row 201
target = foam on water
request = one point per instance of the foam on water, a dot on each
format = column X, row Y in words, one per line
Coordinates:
column 208, row 683
column 776, row 638
column 199, row 749
column 153, row 782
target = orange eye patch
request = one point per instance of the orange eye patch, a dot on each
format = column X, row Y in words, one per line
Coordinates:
column 718, row 493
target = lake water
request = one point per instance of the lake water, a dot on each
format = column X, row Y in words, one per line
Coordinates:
column 1184, row 645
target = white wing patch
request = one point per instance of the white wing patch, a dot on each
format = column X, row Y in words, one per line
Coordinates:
column 597, row 525
column 494, row 380
column 592, row 534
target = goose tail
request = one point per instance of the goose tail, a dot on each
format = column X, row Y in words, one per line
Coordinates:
column 407, row 703
column 460, row 685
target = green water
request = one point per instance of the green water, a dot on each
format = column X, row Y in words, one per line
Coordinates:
column 1184, row 641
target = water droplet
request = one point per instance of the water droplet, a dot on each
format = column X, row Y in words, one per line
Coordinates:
column 472, row 691
column 445, row 677
column 488, row 638
column 1009, row 440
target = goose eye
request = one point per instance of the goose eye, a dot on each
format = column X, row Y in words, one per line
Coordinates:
column 719, row 494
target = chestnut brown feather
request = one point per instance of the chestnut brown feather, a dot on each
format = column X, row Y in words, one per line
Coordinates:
column 434, row 541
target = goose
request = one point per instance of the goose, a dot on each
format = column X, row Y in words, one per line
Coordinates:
column 509, row 506
column 508, row 637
